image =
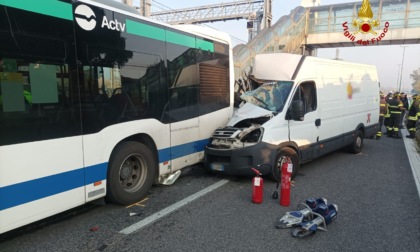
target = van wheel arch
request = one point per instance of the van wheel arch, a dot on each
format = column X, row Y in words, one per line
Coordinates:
column 357, row 145
column 281, row 153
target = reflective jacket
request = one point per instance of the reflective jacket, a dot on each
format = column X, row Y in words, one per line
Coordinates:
column 382, row 107
column 395, row 106
column 415, row 105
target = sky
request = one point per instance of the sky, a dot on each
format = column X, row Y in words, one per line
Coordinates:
column 388, row 59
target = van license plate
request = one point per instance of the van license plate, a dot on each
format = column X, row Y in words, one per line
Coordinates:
column 217, row 167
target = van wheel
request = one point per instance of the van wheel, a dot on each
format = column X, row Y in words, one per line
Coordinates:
column 131, row 173
column 284, row 152
column 357, row 145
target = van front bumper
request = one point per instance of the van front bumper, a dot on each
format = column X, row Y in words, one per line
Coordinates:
column 238, row 162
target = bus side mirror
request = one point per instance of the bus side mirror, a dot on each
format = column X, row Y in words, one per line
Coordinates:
column 297, row 110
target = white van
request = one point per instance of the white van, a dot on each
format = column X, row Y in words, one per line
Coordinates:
column 304, row 107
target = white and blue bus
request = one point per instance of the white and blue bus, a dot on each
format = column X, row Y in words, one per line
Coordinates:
column 97, row 101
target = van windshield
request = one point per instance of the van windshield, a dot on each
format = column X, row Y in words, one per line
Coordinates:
column 271, row 95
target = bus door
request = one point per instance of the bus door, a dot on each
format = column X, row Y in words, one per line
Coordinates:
column 183, row 113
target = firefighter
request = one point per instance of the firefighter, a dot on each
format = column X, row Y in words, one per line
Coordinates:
column 413, row 113
column 395, row 106
column 389, row 96
column 387, row 116
column 404, row 100
column 382, row 112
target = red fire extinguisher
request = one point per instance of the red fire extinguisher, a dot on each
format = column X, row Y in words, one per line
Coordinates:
column 257, row 187
column 286, row 175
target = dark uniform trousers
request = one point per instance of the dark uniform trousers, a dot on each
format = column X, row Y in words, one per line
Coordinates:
column 394, row 122
column 382, row 113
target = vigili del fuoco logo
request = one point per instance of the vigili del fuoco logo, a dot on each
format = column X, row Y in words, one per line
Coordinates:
column 364, row 27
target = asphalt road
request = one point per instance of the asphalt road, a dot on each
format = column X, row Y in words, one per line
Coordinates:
column 378, row 210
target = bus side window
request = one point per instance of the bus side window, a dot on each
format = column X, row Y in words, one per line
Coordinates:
column 115, row 92
column 35, row 101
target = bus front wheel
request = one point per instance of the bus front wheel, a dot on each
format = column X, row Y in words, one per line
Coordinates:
column 131, row 172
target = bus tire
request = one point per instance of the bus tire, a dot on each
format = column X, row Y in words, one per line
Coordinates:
column 131, row 173
column 284, row 152
column 357, row 145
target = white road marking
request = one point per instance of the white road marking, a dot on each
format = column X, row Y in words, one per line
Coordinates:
column 413, row 157
column 171, row 208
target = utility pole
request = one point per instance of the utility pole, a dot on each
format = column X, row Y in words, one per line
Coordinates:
column 398, row 76
column 128, row 2
column 337, row 54
column 402, row 67
column 259, row 20
column 267, row 14
column 145, row 7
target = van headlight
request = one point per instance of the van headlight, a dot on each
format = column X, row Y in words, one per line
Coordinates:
column 251, row 135
column 234, row 138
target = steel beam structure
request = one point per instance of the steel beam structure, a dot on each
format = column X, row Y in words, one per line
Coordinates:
column 211, row 13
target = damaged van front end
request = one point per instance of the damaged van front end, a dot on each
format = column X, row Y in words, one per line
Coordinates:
column 240, row 146
column 233, row 151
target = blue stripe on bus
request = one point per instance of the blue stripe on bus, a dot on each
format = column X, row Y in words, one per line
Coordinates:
column 25, row 192
column 182, row 150
column 36, row 189
column 96, row 173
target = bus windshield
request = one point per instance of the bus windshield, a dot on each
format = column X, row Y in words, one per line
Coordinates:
column 271, row 95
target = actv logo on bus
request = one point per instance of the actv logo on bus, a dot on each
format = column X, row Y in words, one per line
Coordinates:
column 86, row 19
column 365, row 25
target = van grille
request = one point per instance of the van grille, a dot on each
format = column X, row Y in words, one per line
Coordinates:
column 224, row 133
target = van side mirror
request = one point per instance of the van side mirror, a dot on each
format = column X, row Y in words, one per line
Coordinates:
column 297, row 110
